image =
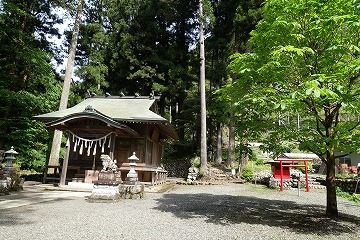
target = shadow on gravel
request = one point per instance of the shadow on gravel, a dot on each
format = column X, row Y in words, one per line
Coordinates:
column 227, row 209
column 11, row 217
column 18, row 215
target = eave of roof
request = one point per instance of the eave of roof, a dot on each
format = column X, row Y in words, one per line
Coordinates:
column 117, row 109
column 91, row 113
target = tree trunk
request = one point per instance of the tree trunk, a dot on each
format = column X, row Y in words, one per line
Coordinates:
column 180, row 124
column 219, row 144
column 231, row 148
column 244, row 159
column 203, row 150
column 55, row 148
column 331, row 201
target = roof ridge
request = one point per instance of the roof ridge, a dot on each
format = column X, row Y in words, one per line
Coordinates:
column 126, row 97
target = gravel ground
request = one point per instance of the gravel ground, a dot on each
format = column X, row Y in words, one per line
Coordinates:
column 232, row 211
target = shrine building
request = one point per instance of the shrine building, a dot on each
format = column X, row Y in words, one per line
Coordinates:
column 115, row 126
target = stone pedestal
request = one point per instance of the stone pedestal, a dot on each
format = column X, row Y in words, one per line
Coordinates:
column 105, row 192
column 91, row 176
column 107, row 187
column 131, row 190
column 4, row 187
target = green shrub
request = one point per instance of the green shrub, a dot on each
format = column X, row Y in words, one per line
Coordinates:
column 252, row 156
column 355, row 198
column 259, row 162
column 247, row 173
column 195, row 162
column 309, row 167
column 346, row 176
column 351, row 197
column 16, row 183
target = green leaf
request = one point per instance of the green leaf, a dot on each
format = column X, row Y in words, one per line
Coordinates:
column 309, row 91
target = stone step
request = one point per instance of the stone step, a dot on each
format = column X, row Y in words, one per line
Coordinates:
column 221, row 176
column 78, row 179
column 314, row 183
column 216, row 172
column 310, row 182
column 317, row 186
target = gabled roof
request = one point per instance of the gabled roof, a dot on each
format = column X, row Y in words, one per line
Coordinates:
column 119, row 109
column 131, row 109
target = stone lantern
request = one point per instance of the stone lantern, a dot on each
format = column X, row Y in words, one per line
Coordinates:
column 10, row 157
column 132, row 175
column 131, row 187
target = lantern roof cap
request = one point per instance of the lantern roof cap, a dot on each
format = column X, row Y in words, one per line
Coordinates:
column 133, row 157
column 11, row 151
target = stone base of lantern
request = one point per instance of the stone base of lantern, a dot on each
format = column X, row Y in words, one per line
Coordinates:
column 4, row 187
column 105, row 192
column 131, row 190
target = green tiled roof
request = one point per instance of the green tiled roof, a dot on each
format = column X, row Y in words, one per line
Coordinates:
column 118, row 108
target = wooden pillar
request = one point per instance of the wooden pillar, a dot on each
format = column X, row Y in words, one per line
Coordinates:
column 146, row 150
column 112, row 147
column 147, row 147
column 65, row 163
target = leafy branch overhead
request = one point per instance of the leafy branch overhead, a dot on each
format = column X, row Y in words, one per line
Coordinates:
column 303, row 64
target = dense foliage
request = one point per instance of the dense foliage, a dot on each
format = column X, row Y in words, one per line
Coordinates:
column 28, row 84
column 301, row 80
column 124, row 47
column 140, row 47
column 150, row 46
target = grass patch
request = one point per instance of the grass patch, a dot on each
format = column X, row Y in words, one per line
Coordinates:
column 348, row 196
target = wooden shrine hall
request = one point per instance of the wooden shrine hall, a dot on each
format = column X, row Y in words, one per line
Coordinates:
column 115, row 126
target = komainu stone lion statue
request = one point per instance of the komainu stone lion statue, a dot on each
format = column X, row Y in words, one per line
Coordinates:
column 108, row 163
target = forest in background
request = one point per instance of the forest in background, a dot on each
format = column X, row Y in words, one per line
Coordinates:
column 284, row 73
column 124, row 47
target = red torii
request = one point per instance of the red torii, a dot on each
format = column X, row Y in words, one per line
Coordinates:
column 290, row 163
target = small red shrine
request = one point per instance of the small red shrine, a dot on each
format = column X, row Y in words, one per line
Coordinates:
column 281, row 169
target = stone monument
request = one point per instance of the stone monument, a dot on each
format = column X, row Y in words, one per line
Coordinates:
column 107, row 187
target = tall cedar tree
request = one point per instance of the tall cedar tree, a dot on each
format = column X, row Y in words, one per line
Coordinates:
column 138, row 47
column 235, row 20
column 65, row 93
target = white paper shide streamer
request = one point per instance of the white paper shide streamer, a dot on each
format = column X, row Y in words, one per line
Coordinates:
column 90, row 144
